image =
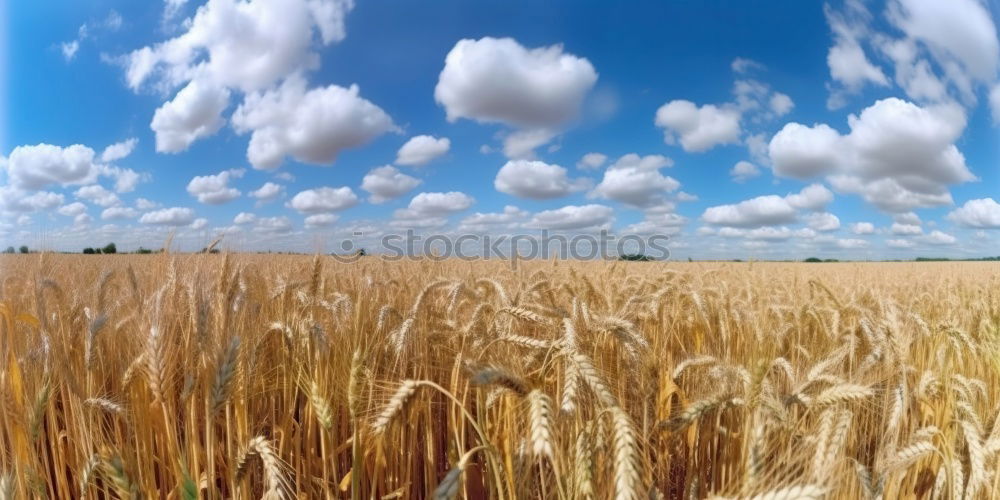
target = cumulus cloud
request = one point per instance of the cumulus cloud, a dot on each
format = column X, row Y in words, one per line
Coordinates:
column 698, row 128
column 43, row 165
column 743, row 65
column 421, row 150
column 119, row 150
column 591, row 161
column 267, row 193
column 898, row 156
column 69, row 49
column 387, row 183
column 823, row 221
column 983, row 213
column 144, row 204
column 939, row 238
column 863, row 228
column 323, row 200
column 126, row 179
column 225, row 35
column 119, row 213
column 215, row 189
column 899, row 243
column 72, row 209
column 744, row 171
column 312, row 126
column 495, row 80
column 435, row 205
column 321, row 220
column 194, row 113
column 521, row 144
column 769, row 210
column 96, row 194
column 573, row 217
column 173, row 216
column 760, row 211
column 199, row 223
column 16, row 200
column 243, row 218
column 486, row 222
column 849, row 65
column 905, row 229
column 536, row 180
column 811, row 197
column 273, row 225
column 637, row 182
column 851, row 243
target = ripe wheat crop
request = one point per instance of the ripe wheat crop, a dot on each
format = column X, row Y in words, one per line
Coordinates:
column 242, row 376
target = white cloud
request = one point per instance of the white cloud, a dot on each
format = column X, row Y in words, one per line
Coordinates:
column 267, row 193
column 323, row 200
column 907, row 218
column 244, row 218
column 637, row 182
column 939, row 238
column 863, row 228
column 432, row 205
column 958, row 32
column 144, row 204
column 699, row 129
column 499, row 80
column 812, row 197
column 119, row 151
column 743, row 171
column 199, row 223
column 421, row 150
column 387, row 183
column 311, row 126
column 905, row 229
column 248, row 45
column 126, row 179
column 485, row 222
column 96, row 194
column 42, row 165
column 72, row 209
column 898, row 156
column 16, row 200
column 983, row 213
column 521, row 144
column 573, row 217
column 848, row 63
column 273, row 225
column 69, row 49
column 851, row 243
column 899, row 243
column 760, row 211
column 194, row 113
column 82, row 219
column 215, row 189
column 536, row 180
column 781, row 104
column 173, row 216
column 823, row 221
column 321, row 220
column 657, row 223
column 119, row 213
column 591, row 161
column 743, row 65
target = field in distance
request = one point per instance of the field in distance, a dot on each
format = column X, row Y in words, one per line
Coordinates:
column 249, row 376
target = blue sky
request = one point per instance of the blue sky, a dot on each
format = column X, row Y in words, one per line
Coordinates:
column 852, row 129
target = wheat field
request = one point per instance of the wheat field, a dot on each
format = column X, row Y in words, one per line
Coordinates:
column 252, row 376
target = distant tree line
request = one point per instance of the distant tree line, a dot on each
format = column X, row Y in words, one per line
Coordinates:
column 23, row 249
